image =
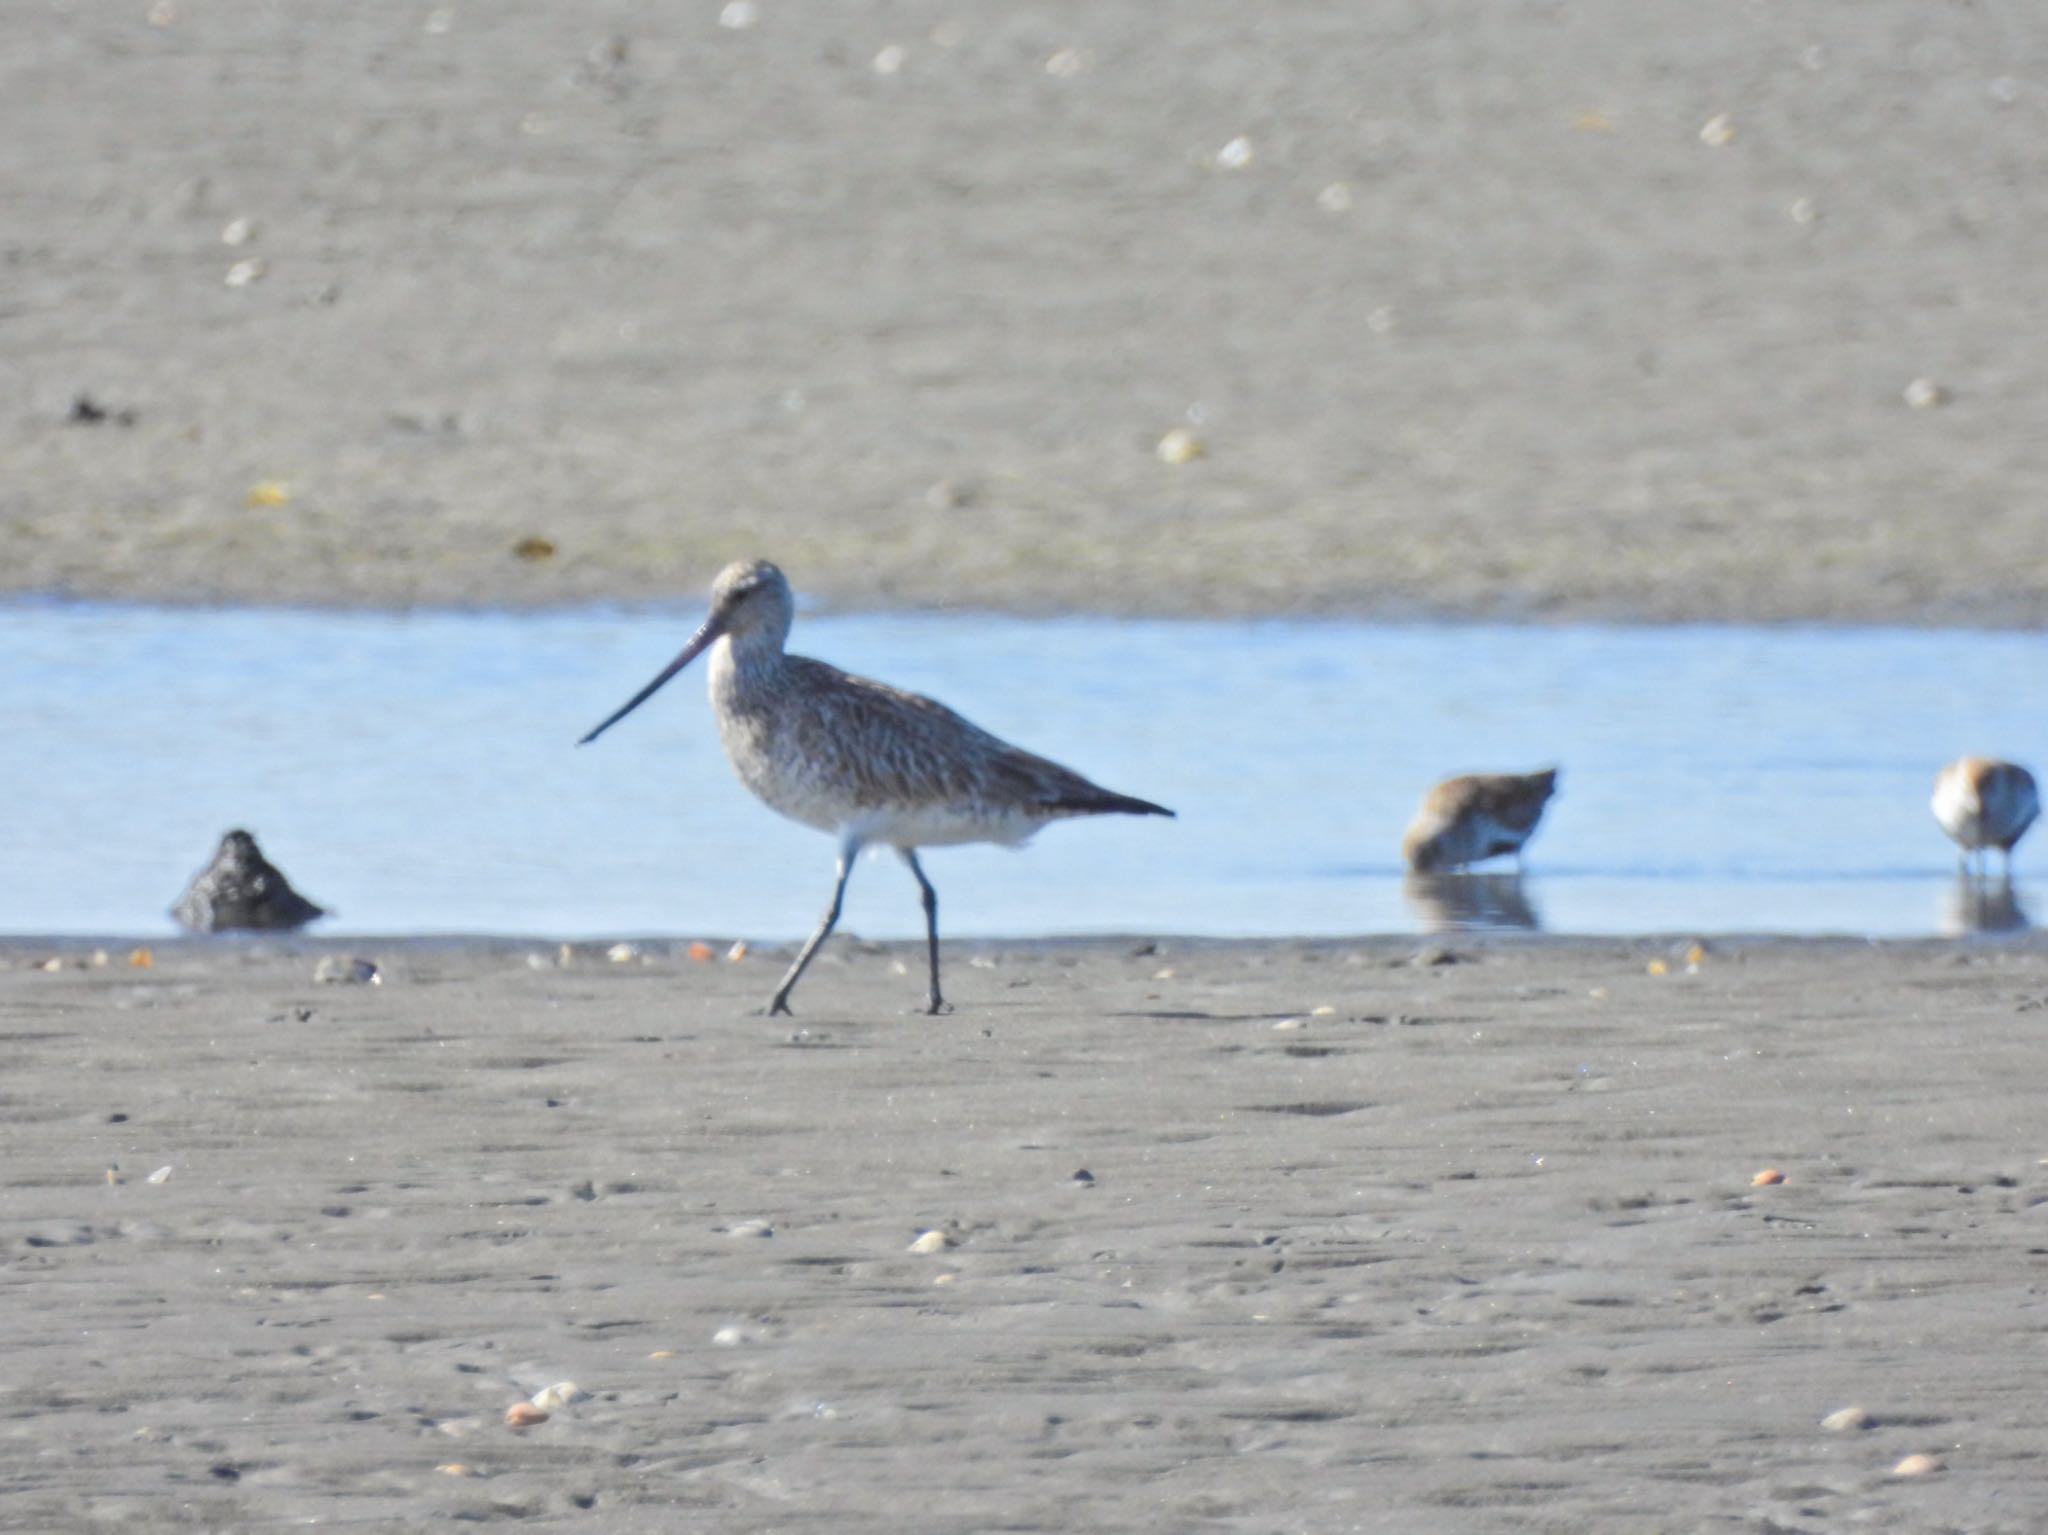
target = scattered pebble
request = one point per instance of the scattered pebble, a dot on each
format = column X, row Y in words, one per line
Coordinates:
column 1083, row 1177
column 750, row 1229
column 1235, row 155
column 729, row 1337
column 622, row 954
column 1658, row 967
column 238, row 232
column 1066, row 64
column 267, row 493
column 1179, row 446
column 1843, row 1420
column 439, row 23
column 1287, row 1025
column 523, row 1415
column 1917, row 1465
column 1925, row 394
column 114, row 1177
column 535, row 548
column 455, row 1468
column 243, row 273
column 141, row 959
column 931, row 1242
column 700, row 951
column 1766, row 1178
column 737, row 952
column 163, row 14
column 1334, row 198
column 347, row 970
column 86, row 411
column 1163, row 975
column 663, row 1353
column 563, row 1393
column 1804, row 211
column 1717, row 131
column 1593, row 120
column 947, row 1278
column 739, row 15
column 890, row 60
column 1325, row 1011
column 161, row 1175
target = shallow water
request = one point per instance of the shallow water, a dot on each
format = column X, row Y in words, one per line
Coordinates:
column 417, row 773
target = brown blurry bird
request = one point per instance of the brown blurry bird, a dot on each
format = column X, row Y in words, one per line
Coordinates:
column 1476, row 816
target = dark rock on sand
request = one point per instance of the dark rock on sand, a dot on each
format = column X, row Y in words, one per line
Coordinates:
column 242, row 889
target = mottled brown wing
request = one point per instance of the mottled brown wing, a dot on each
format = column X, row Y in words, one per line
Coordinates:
column 895, row 747
column 1515, row 800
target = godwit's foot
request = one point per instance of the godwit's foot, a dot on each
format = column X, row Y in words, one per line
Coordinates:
column 779, row 1003
column 936, row 1007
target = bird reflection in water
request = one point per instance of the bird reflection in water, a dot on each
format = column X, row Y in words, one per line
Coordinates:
column 1975, row 904
column 1466, row 903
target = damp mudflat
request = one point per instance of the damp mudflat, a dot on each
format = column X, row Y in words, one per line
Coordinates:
column 417, row 773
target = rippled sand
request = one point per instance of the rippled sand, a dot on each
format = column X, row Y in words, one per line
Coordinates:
column 1607, row 309
column 1230, row 1237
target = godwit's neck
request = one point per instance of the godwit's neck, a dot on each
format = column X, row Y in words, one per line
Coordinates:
column 744, row 662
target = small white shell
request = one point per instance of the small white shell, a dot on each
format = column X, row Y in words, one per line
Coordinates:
column 1717, row 131
column 563, row 1393
column 1235, row 155
column 931, row 1242
column 347, row 970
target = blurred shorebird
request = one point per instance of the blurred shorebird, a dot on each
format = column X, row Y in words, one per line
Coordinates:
column 871, row 764
column 242, row 890
column 1474, row 817
column 1984, row 803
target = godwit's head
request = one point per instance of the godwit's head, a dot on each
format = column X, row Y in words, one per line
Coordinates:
column 751, row 606
column 751, row 602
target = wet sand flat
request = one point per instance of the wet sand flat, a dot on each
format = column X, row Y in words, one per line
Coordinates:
column 1600, row 310
column 1373, row 1237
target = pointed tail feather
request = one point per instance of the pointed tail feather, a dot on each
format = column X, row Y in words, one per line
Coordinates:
column 1103, row 802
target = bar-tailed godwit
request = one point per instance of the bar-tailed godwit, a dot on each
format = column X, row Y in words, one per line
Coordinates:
column 1479, row 815
column 1984, row 803
column 871, row 764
